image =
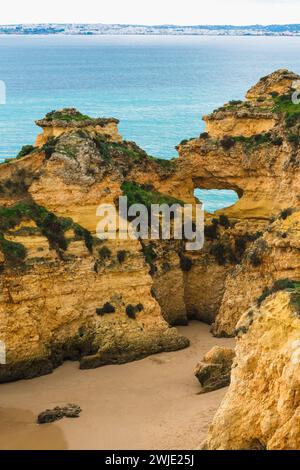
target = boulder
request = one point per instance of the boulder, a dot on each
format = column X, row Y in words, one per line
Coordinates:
column 213, row 372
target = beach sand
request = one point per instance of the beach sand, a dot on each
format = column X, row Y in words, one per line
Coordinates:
column 148, row 404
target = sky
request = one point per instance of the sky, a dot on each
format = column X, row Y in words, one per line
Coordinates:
column 236, row 12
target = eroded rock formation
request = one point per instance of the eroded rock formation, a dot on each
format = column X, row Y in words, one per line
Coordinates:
column 251, row 147
column 262, row 407
column 65, row 294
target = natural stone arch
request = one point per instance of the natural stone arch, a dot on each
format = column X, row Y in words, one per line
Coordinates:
column 216, row 199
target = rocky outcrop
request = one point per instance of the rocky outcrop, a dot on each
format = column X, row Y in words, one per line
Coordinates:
column 214, row 371
column 239, row 120
column 262, row 407
column 246, row 245
column 64, row 293
column 252, row 147
column 67, row 120
column 278, row 82
column 272, row 257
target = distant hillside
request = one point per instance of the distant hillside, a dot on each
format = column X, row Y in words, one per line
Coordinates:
column 104, row 29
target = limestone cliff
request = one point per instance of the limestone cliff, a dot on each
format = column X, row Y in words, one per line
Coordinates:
column 251, row 147
column 262, row 407
column 71, row 295
column 273, row 256
column 64, row 293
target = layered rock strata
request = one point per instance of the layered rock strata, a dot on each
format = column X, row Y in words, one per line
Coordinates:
column 262, row 407
column 64, row 293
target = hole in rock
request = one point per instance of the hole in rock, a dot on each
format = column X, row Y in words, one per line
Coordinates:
column 215, row 199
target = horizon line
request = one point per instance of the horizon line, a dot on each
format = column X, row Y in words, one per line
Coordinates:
column 150, row 25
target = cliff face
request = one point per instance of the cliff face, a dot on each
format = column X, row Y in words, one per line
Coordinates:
column 251, row 147
column 262, row 407
column 259, row 162
column 273, row 256
column 64, row 293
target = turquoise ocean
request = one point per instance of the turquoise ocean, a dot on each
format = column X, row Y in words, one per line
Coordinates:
column 158, row 86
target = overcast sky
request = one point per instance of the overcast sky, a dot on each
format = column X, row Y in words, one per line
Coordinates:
column 151, row 11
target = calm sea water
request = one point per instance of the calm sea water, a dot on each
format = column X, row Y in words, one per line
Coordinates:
column 159, row 87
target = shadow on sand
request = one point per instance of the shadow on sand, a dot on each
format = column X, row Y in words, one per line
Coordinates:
column 19, row 431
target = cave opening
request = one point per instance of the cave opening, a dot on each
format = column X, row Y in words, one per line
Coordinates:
column 216, row 199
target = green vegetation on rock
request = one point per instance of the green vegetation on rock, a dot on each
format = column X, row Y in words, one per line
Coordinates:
column 25, row 150
column 138, row 194
column 51, row 226
column 14, row 252
column 258, row 139
column 66, row 116
column 284, row 104
column 49, row 147
column 282, row 284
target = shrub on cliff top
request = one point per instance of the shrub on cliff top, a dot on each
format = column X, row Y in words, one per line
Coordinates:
column 128, row 149
column 166, row 164
column 66, row 115
column 284, row 104
column 204, row 135
column 186, row 141
column 235, row 102
column 25, row 150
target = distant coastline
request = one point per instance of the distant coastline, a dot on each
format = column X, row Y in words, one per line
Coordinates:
column 127, row 29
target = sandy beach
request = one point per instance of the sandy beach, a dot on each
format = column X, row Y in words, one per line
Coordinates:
column 148, row 404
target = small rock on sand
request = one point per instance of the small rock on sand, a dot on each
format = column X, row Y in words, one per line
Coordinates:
column 68, row 411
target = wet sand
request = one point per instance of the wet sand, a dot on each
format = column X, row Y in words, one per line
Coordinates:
column 147, row 404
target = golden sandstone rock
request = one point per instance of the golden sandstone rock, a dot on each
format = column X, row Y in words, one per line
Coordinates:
column 214, row 371
column 256, row 247
column 57, row 277
column 262, row 407
column 64, row 294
